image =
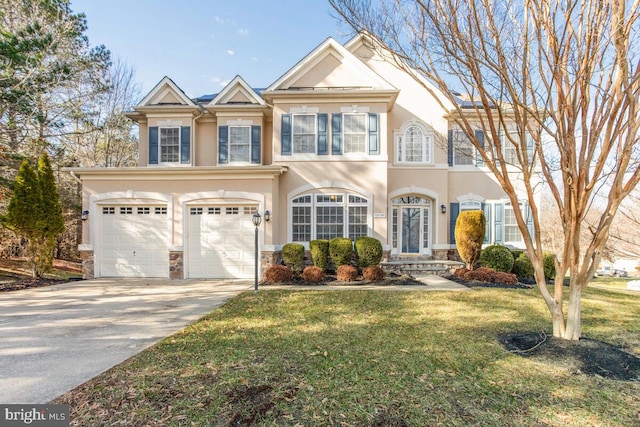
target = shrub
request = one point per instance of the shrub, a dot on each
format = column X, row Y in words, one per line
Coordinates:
column 522, row 267
column 549, row 266
column 347, row 273
column 479, row 275
column 460, row 272
column 373, row 272
column 278, row 274
column 340, row 251
column 497, row 257
column 469, row 234
column 506, row 278
column 319, row 250
column 312, row 274
column 293, row 256
column 368, row 251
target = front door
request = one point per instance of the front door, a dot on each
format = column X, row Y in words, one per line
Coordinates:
column 411, row 225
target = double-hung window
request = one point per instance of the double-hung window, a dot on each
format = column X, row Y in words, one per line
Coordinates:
column 511, row 231
column 169, row 145
column 239, row 144
column 355, row 133
column 463, row 150
column 304, row 133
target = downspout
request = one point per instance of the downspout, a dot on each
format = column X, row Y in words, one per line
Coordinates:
column 193, row 137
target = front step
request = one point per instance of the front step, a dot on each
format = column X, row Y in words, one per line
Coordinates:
column 421, row 267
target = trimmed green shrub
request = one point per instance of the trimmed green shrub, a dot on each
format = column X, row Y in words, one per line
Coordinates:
column 522, row 267
column 278, row 274
column 293, row 256
column 312, row 274
column 319, row 250
column 340, row 251
column 368, row 251
column 347, row 273
column 469, row 234
column 374, row 273
column 549, row 266
column 497, row 257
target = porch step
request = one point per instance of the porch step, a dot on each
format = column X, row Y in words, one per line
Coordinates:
column 421, row 267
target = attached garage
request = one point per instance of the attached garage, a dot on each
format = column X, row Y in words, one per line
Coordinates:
column 133, row 241
column 220, row 241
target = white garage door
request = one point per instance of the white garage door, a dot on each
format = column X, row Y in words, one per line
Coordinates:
column 221, row 242
column 133, row 241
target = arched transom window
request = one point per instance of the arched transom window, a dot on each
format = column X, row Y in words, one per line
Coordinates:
column 414, row 145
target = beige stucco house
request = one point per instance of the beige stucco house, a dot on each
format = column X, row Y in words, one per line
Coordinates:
column 343, row 144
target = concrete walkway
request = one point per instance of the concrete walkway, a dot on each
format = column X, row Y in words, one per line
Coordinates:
column 55, row 338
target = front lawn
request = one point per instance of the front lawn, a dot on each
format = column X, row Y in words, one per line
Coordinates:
column 368, row 358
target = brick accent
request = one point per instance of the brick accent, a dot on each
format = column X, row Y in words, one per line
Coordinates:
column 87, row 264
column 176, row 265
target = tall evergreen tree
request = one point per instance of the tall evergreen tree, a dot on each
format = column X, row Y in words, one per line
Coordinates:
column 53, row 220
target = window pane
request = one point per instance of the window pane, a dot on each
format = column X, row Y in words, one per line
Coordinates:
column 169, row 145
column 239, row 144
column 304, row 133
column 357, row 222
column 511, row 230
column 413, row 139
column 329, row 222
column 355, row 133
column 301, row 219
column 463, row 149
column 425, row 228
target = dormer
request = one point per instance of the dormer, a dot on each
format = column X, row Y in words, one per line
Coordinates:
column 241, row 116
column 166, row 118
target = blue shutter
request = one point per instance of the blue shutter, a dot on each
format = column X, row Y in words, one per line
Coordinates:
column 285, row 135
column 530, row 147
column 499, row 224
column 185, row 144
column 256, row 132
column 480, row 139
column 454, row 211
column 223, row 144
column 450, row 148
column 323, row 148
column 374, row 146
column 336, row 133
column 153, row 145
column 528, row 216
column 486, row 208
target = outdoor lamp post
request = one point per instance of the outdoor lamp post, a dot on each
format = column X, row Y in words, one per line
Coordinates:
column 256, row 219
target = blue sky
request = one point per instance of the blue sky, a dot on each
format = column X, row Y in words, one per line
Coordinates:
column 203, row 44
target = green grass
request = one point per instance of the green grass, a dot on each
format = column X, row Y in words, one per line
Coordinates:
column 359, row 358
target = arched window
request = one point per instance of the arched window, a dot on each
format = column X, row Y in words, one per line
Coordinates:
column 414, row 145
column 328, row 215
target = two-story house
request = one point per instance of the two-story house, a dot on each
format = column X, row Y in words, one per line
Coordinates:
column 343, row 144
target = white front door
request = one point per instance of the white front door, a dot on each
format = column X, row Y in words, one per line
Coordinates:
column 133, row 241
column 220, row 241
column 411, row 227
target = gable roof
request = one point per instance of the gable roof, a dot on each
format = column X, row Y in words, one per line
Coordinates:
column 237, row 92
column 321, row 69
column 166, row 92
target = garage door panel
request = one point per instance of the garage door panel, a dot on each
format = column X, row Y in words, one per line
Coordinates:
column 220, row 242
column 134, row 241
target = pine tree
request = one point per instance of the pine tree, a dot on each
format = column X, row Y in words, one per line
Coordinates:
column 35, row 213
column 53, row 221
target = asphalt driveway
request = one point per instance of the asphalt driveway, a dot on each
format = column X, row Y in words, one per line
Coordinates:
column 55, row 338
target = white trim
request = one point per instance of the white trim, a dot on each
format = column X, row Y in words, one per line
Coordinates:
column 235, row 86
column 166, row 82
column 355, row 109
column 470, row 197
column 428, row 142
column 303, row 109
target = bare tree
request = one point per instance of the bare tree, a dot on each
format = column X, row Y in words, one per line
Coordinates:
column 565, row 72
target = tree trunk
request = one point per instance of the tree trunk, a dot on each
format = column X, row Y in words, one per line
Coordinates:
column 574, row 324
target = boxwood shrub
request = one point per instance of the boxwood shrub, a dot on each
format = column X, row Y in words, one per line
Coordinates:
column 522, row 267
column 293, row 256
column 319, row 250
column 340, row 251
column 368, row 251
column 497, row 257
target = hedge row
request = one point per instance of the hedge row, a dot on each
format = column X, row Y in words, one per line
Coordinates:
column 500, row 258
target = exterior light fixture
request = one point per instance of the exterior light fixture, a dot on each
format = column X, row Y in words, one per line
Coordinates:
column 256, row 219
column 443, row 209
column 85, row 215
column 267, row 215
